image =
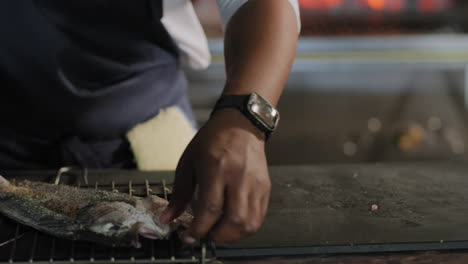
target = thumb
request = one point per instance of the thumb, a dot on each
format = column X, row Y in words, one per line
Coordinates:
column 184, row 187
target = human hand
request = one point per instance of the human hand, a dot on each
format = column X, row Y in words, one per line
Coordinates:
column 226, row 159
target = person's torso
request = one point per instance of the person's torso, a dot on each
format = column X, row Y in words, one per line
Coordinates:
column 92, row 68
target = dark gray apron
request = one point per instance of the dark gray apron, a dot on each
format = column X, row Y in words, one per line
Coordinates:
column 76, row 75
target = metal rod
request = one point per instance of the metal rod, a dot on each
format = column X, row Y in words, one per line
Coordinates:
column 33, row 247
column 171, row 238
column 113, row 187
column 147, row 188
column 192, row 252
column 10, row 240
column 203, row 254
column 148, row 193
column 139, row 261
column 85, row 176
column 130, row 192
column 93, row 250
column 72, row 246
column 212, row 248
column 72, row 251
column 172, row 247
column 153, row 258
column 93, row 245
column 52, row 251
column 59, row 174
column 112, row 254
column 13, row 246
column 164, row 189
column 341, row 249
column 130, row 188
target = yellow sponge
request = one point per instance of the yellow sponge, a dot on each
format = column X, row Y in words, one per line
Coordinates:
column 158, row 143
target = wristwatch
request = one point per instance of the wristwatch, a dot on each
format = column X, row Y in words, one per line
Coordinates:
column 262, row 114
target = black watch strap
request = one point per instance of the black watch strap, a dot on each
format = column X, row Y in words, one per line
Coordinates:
column 231, row 101
column 239, row 102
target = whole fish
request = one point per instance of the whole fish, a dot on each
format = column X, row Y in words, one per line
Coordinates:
column 104, row 217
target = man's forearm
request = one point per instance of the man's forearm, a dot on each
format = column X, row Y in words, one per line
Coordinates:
column 226, row 159
column 260, row 45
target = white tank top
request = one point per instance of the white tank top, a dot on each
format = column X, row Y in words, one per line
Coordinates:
column 183, row 25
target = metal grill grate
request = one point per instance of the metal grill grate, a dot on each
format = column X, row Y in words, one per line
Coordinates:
column 20, row 244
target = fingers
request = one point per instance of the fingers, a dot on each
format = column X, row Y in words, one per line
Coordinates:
column 241, row 216
column 184, row 187
column 245, row 210
column 208, row 209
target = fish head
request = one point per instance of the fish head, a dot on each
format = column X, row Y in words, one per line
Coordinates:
column 121, row 222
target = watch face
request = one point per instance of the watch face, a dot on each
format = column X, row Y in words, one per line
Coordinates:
column 263, row 111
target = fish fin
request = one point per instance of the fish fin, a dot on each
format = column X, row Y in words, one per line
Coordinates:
column 31, row 213
column 142, row 229
column 148, row 233
column 135, row 242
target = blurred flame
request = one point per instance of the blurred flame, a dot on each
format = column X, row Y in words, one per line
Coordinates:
column 433, row 5
column 320, row 4
column 427, row 5
column 376, row 4
column 396, row 5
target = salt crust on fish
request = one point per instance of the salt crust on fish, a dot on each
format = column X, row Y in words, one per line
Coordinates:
column 104, row 217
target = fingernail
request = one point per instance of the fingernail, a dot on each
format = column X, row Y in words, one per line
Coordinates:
column 189, row 240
